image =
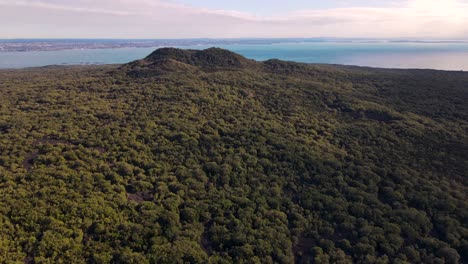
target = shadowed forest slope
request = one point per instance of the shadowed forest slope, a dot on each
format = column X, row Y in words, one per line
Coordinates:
column 205, row 156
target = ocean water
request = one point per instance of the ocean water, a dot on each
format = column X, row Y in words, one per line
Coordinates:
column 441, row 56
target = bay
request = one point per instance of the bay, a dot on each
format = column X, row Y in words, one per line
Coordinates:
column 441, row 56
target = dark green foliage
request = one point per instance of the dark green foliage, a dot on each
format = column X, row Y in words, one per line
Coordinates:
column 204, row 156
column 209, row 58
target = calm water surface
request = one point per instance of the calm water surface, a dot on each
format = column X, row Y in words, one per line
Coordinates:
column 443, row 56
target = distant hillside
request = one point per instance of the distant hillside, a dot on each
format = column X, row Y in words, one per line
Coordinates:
column 205, row 156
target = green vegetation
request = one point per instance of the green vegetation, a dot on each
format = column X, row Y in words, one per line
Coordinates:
column 205, row 156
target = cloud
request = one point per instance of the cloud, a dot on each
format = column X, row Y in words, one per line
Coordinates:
column 163, row 19
column 60, row 7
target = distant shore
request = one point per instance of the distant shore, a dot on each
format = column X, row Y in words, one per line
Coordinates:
column 28, row 45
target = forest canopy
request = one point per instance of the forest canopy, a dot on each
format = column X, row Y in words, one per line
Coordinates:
column 207, row 157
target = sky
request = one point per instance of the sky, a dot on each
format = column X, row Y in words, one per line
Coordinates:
column 424, row 19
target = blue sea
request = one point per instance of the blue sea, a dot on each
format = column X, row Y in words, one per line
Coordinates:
column 442, row 56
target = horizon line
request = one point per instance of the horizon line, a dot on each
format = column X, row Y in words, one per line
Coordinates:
column 255, row 38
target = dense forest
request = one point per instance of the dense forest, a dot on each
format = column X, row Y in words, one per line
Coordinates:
column 208, row 157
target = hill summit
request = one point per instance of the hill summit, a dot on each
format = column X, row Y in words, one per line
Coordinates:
column 173, row 59
column 212, row 57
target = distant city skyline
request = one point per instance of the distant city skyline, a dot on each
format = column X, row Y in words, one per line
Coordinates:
column 426, row 19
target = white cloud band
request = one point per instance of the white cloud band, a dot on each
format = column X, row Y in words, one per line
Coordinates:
column 162, row 19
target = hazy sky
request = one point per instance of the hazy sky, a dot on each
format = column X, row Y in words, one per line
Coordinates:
column 233, row 19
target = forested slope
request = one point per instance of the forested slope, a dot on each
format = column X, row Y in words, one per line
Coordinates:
column 205, row 156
